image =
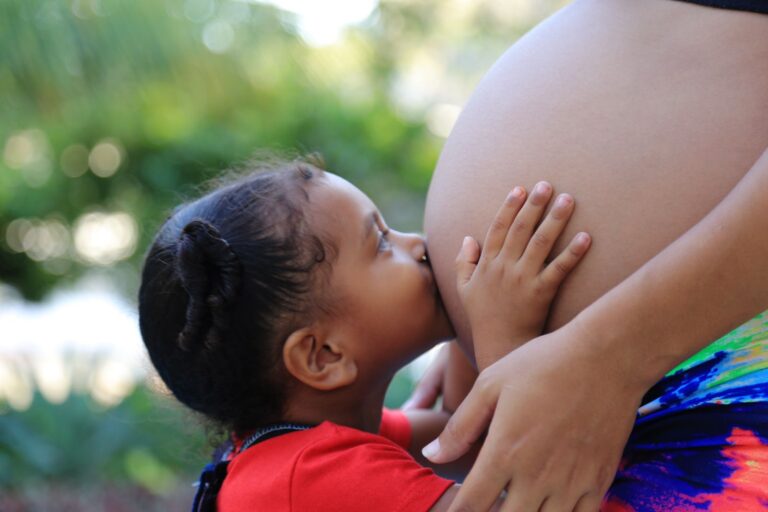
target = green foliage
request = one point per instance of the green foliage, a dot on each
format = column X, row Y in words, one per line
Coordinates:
column 399, row 389
column 147, row 441
column 139, row 75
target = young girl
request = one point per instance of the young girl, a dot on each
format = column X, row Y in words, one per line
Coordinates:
column 281, row 305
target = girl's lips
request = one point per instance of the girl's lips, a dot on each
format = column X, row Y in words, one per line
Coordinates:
column 429, row 276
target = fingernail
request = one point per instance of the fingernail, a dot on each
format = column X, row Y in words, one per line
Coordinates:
column 466, row 241
column 431, row 449
column 563, row 201
column 542, row 187
column 516, row 193
column 582, row 238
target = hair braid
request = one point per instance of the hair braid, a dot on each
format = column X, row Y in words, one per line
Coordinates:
column 210, row 274
column 228, row 276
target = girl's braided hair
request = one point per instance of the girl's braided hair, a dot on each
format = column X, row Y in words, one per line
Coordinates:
column 223, row 284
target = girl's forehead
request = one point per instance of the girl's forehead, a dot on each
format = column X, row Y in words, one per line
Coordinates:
column 340, row 211
column 334, row 188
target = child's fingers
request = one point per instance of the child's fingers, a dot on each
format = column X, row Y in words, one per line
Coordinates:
column 542, row 241
column 525, row 221
column 497, row 232
column 466, row 261
column 567, row 260
column 430, row 387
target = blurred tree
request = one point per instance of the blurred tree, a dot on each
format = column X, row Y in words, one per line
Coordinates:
column 82, row 441
column 113, row 112
column 121, row 106
column 113, row 106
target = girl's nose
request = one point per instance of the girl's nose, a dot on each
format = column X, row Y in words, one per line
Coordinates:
column 415, row 245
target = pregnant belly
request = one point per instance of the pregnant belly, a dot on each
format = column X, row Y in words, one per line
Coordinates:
column 648, row 113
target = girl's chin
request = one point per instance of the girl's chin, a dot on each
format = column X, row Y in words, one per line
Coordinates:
column 445, row 330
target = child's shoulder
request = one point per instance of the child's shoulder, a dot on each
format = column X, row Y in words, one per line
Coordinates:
column 326, row 448
column 315, row 465
column 323, row 443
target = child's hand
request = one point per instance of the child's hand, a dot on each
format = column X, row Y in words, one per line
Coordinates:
column 507, row 290
column 430, row 386
column 449, row 376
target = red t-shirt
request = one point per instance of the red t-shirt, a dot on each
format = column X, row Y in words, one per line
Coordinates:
column 332, row 468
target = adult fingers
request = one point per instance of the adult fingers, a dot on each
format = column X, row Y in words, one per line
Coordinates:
column 466, row 425
column 530, row 214
column 497, row 232
column 542, row 241
column 562, row 265
column 522, row 498
column 482, row 486
column 589, row 502
column 466, row 261
column 562, row 501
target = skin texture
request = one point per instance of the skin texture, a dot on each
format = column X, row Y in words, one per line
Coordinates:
column 388, row 299
column 648, row 113
column 506, row 291
column 385, row 309
column 510, row 274
column 385, row 312
column 558, row 410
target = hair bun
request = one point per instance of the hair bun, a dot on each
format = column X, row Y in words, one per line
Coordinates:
column 210, row 273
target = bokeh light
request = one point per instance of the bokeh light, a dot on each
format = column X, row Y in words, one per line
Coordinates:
column 218, row 36
column 74, row 160
column 104, row 238
column 82, row 340
column 28, row 151
column 53, row 376
column 111, row 382
column 115, row 111
column 199, row 11
column 105, row 158
column 40, row 239
column 323, row 23
column 16, row 386
column 15, row 233
column 441, row 118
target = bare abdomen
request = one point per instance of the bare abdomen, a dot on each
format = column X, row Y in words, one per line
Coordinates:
column 648, row 112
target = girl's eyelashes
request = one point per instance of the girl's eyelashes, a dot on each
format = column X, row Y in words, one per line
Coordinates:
column 383, row 239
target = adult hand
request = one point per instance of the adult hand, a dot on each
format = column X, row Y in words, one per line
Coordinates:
column 560, row 414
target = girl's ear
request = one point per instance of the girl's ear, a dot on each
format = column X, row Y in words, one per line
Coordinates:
column 318, row 360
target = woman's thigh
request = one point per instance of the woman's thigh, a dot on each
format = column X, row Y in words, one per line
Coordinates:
column 647, row 112
column 701, row 438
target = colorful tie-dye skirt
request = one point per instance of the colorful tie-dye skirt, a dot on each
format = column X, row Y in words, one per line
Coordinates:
column 700, row 442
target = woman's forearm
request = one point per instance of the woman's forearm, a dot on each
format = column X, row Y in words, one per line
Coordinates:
column 706, row 283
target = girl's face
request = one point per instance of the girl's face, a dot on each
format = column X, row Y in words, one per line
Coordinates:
column 390, row 304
